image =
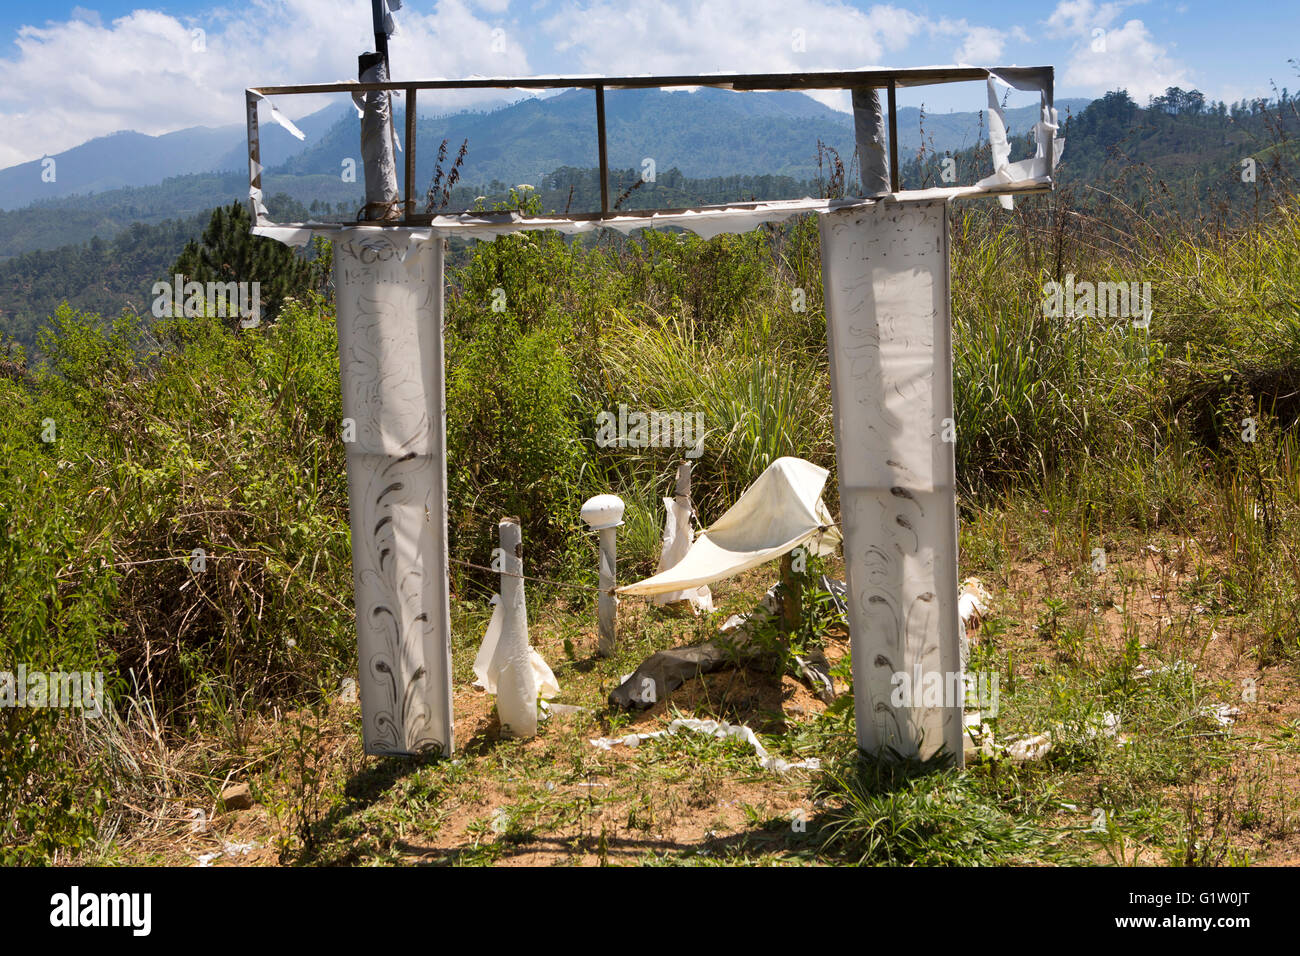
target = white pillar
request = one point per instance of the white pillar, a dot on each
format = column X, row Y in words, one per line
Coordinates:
column 885, row 271
column 389, row 308
column 516, row 679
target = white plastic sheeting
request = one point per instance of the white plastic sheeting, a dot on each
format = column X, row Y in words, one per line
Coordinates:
column 389, row 311
column 781, row 510
column 1047, row 149
column 869, row 132
column 677, row 543
column 713, row 728
column 514, row 706
column 885, row 270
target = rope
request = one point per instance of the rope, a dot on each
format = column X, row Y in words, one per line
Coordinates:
column 580, row 587
column 186, row 558
column 529, row 577
column 388, row 211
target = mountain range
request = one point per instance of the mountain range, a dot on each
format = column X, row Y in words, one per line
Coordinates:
column 704, row 133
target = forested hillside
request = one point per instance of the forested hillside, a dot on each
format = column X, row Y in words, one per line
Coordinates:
column 1180, row 147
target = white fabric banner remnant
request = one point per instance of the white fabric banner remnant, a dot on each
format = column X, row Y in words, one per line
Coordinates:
column 488, row 663
column 713, row 728
column 389, row 311
column 885, row 271
column 677, row 542
column 1048, row 148
column 781, row 510
column 280, row 118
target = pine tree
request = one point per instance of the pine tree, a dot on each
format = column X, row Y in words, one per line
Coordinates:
column 229, row 252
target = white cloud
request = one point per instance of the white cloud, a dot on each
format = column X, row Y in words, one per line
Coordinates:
column 735, row 36
column 1130, row 59
column 1074, row 18
column 71, row 80
column 678, row 36
column 76, row 79
column 1106, row 57
column 982, row 45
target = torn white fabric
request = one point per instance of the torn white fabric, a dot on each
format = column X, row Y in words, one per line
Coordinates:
column 258, row 208
column 713, row 728
column 390, row 21
column 1221, row 714
column 677, row 542
column 487, row 665
column 280, row 118
column 705, row 222
column 1038, row 746
column 1048, row 147
column 781, row 510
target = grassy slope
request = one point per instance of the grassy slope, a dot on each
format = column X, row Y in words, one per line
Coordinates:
column 1074, row 435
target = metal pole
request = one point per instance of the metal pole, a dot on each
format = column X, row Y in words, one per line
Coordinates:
column 895, row 175
column 608, row 611
column 602, row 149
column 409, row 151
column 381, row 38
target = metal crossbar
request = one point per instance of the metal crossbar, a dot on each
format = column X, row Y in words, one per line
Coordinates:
column 889, row 80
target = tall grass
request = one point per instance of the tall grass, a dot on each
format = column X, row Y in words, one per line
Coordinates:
column 229, row 441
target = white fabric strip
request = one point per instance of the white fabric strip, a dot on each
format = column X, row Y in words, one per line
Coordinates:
column 1048, row 147
column 281, row 118
column 705, row 222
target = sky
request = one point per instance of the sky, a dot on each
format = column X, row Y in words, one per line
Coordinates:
column 71, row 72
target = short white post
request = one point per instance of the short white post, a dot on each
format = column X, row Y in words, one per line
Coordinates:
column 604, row 513
column 516, row 680
column 608, row 580
column 683, row 492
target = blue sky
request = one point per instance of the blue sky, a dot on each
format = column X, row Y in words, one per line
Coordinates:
column 73, row 71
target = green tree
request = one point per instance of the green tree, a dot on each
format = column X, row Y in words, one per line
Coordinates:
column 229, row 252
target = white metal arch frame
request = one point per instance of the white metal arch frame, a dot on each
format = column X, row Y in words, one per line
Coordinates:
column 885, row 270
